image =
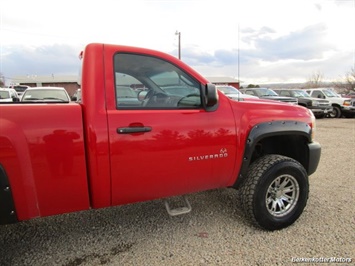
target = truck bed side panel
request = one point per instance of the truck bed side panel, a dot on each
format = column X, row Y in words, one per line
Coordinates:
column 42, row 152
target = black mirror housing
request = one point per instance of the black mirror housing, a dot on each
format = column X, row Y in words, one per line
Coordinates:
column 210, row 97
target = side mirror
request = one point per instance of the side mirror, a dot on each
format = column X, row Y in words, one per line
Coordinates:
column 141, row 95
column 211, row 97
column 15, row 99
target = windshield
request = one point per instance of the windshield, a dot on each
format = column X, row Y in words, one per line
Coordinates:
column 301, row 93
column 20, row 88
column 228, row 90
column 50, row 94
column 330, row 93
column 266, row 92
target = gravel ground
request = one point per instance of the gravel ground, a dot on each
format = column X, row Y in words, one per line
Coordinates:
column 215, row 233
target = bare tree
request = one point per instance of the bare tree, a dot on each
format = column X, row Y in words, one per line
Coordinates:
column 2, row 80
column 350, row 80
column 347, row 83
column 315, row 80
column 253, row 86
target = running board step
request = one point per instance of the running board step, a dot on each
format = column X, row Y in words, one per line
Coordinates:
column 179, row 210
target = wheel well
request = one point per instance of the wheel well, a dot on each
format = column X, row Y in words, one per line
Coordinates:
column 7, row 206
column 289, row 138
column 293, row 146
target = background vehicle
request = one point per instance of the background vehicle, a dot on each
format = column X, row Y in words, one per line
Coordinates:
column 349, row 95
column 62, row 157
column 352, row 103
column 127, row 96
column 77, row 96
column 45, row 94
column 233, row 93
column 341, row 106
column 269, row 94
column 20, row 89
column 8, row 95
column 319, row 107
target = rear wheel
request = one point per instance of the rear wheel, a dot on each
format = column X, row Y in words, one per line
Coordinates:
column 275, row 192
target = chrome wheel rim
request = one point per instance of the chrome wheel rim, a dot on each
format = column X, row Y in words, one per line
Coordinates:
column 333, row 113
column 282, row 195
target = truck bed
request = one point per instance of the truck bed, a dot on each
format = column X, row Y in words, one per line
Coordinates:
column 46, row 164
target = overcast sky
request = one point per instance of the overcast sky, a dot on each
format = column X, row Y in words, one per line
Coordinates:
column 270, row 40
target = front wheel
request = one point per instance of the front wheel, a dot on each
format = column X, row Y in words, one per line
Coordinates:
column 275, row 191
column 336, row 113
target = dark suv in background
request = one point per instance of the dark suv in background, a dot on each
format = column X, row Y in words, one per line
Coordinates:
column 319, row 107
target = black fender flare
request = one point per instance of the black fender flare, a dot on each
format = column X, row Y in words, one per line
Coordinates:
column 269, row 129
column 7, row 205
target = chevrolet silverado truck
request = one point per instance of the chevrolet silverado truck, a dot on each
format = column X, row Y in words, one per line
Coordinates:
column 150, row 127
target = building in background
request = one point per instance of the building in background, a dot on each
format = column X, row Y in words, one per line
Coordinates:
column 70, row 83
column 224, row 81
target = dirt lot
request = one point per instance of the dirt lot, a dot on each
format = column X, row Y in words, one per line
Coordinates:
column 215, row 233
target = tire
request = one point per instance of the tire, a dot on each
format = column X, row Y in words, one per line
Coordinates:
column 336, row 113
column 320, row 116
column 264, row 202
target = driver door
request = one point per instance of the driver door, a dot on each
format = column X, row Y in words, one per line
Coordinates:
column 162, row 142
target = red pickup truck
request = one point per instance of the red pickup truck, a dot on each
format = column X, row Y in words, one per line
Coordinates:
column 148, row 126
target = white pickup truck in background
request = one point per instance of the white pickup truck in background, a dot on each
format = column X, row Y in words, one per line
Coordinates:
column 341, row 106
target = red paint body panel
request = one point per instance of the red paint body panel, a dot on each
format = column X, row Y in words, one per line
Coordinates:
column 251, row 112
column 45, row 158
column 190, row 151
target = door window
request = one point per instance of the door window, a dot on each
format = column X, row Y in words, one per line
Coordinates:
column 250, row 92
column 146, row 82
column 285, row 93
column 317, row 94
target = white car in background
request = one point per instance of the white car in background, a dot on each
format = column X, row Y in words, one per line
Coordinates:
column 45, row 94
column 8, row 95
column 233, row 93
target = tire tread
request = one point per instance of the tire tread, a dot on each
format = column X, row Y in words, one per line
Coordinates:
column 254, row 176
